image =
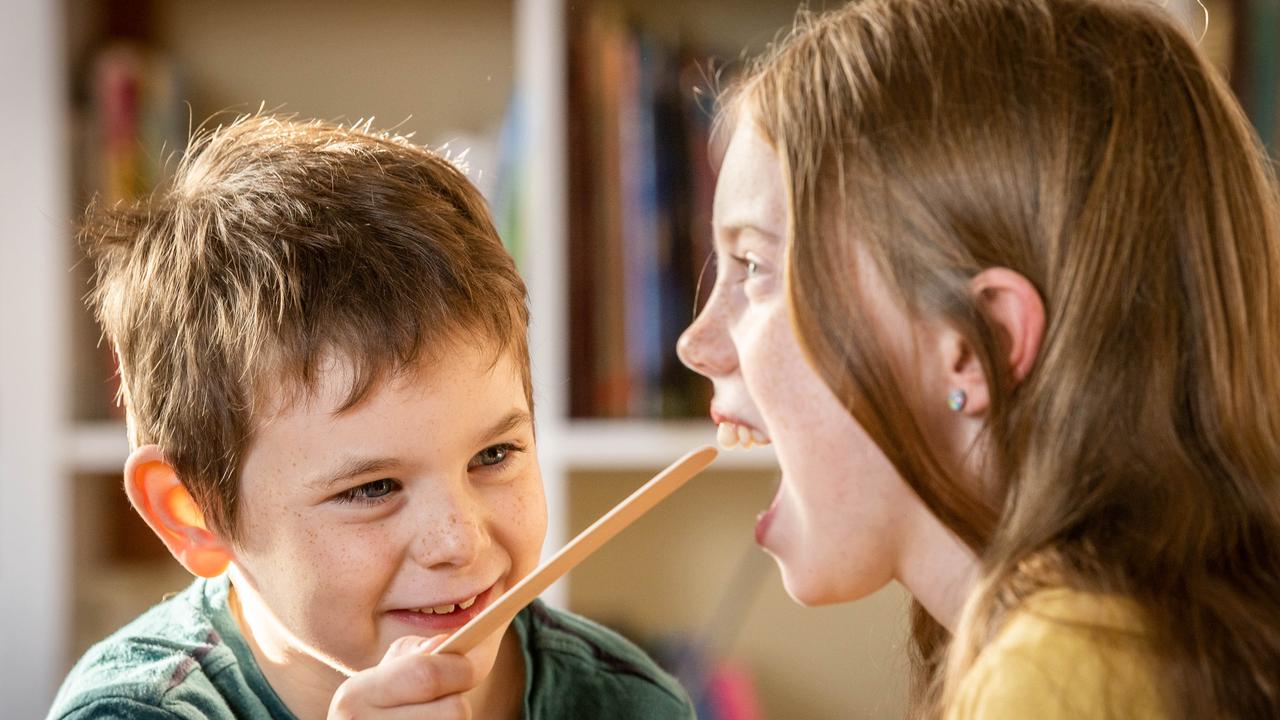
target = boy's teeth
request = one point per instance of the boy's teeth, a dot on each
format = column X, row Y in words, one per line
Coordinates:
column 446, row 609
column 731, row 435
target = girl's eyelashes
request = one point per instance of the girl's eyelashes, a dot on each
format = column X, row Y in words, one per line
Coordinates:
column 749, row 263
column 494, row 457
column 370, row 493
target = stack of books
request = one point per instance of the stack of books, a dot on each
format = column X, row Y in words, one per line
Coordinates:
column 640, row 191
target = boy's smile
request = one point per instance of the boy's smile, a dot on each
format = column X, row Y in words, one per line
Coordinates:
column 404, row 515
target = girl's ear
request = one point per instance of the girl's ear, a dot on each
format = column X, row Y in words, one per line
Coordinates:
column 1015, row 312
column 163, row 502
column 1013, row 309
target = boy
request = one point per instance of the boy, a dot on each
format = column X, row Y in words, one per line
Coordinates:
column 323, row 356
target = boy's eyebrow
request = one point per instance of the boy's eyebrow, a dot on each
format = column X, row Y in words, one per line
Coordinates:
column 513, row 420
column 351, row 467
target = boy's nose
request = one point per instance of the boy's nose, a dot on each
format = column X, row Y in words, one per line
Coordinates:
column 452, row 538
column 705, row 346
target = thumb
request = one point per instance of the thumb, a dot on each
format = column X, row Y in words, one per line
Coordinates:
column 413, row 645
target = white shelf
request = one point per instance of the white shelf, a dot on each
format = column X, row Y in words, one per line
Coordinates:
column 98, row 447
column 650, row 445
column 101, row 446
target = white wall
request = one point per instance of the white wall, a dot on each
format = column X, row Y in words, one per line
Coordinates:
column 34, row 294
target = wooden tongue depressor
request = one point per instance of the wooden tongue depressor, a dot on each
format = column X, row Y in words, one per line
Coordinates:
column 504, row 609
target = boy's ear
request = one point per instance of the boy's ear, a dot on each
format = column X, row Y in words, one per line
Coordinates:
column 163, row 502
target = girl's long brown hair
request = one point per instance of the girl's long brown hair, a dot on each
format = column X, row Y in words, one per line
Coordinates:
column 1089, row 146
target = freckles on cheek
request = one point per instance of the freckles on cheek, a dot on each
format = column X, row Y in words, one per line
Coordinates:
column 768, row 353
column 523, row 513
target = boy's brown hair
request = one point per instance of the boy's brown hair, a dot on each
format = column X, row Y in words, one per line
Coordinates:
column 277, row 247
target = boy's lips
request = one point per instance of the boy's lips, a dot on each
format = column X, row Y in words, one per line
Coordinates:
column 426, row 620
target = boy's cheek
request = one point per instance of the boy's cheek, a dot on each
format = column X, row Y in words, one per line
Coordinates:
column 523, row 515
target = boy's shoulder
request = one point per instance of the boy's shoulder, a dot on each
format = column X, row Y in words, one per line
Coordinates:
column 578, row 668
column 172, row 661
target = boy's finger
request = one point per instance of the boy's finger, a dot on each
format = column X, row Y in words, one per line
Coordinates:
column 412, row 644
column 360, row 697
column 417, row 678
column 453, row 707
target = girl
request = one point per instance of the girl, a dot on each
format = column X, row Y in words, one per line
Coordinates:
column 1000, row 279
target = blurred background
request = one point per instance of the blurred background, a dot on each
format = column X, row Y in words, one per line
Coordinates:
column 585, row 124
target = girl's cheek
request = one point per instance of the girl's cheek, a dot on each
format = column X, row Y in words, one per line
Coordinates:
column 762, row 338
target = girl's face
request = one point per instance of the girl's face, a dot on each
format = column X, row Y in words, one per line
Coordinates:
column 843, row 518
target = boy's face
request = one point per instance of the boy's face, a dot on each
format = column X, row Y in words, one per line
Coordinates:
column 355, row 525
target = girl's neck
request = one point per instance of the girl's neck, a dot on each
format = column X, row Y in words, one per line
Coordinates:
column 937, row 568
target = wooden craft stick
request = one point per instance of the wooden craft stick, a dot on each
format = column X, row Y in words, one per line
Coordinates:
column 504, row 609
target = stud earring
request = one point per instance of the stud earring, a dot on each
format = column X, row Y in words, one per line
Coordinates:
column 956, row 399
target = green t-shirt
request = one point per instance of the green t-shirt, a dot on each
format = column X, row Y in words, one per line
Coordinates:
column 186, row 658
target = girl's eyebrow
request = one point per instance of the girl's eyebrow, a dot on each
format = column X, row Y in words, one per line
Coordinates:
column 349, row 468
column 731, row 231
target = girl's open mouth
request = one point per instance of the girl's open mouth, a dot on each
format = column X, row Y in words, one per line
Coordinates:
column 765, row 519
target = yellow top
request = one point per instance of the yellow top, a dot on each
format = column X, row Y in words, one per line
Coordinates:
column 1063, row 654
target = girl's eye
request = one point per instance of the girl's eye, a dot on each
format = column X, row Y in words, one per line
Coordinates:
column 369, row 493
column 750, row 265
column 493, row 456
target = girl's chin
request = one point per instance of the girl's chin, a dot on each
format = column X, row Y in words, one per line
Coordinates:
column 812, row 581
column 804, row 583
column 810, row 591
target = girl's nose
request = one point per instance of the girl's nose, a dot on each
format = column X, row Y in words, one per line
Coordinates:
column 705, row 346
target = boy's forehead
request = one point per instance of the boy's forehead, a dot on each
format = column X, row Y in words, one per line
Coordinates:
column 341, row 382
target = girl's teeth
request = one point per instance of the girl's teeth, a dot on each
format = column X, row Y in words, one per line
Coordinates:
column 444, row 609
column 467, row 603
column 726, row 435
column 731, row 435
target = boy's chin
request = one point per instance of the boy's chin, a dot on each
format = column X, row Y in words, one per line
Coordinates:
column 484, row 658
column 485, row 655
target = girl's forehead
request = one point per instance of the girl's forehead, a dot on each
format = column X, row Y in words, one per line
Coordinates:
column 750, row 190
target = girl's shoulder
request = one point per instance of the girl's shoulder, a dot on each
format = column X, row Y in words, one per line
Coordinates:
column 1064, row 654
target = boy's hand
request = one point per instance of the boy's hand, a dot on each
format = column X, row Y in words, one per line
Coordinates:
column 408, row 683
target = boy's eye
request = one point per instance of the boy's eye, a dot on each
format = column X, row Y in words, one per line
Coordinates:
column 493, row 456
column 370, row 492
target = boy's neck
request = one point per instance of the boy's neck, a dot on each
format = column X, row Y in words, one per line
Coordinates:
column 306, row 684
